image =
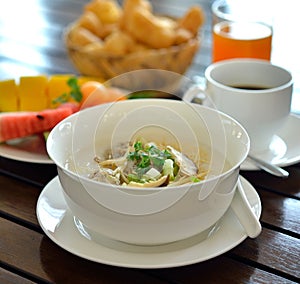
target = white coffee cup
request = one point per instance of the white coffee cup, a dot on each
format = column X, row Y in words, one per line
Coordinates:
column 255, row 92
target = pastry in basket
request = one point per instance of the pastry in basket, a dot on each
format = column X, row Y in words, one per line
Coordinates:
column 108, row 40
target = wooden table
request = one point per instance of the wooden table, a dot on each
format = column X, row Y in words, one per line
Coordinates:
column 30, row 44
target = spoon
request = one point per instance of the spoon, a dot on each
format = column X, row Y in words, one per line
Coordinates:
column 270, row 168
column 243, row 211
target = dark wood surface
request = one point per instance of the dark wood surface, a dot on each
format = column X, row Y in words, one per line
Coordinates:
column 30, row 44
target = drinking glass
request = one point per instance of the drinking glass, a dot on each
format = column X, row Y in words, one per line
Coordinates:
column 241, row 29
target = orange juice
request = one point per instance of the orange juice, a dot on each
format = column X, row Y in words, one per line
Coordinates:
column 244, row 40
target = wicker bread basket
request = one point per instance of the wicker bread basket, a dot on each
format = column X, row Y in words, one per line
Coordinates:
column 175, row 58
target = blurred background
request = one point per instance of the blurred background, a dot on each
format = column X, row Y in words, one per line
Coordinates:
column 31, row 36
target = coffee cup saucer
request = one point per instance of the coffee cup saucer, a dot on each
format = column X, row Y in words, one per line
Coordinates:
column 284, row 149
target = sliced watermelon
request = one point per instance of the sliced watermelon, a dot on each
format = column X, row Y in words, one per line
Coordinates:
column 21, row 124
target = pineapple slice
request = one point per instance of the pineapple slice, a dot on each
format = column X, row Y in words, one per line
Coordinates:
column 84, row 79
column 57, row 85
column 35, row 93
column 32, row 93
column 8, row 95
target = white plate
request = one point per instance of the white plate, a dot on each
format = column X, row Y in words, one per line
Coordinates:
column 31, row 149
column 284, row 149
column 58, row 223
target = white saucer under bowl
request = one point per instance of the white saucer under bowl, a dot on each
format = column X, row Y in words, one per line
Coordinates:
column 284, row 149
column 58, row 223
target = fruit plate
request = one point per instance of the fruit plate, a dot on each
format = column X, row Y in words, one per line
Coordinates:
column 31, row 149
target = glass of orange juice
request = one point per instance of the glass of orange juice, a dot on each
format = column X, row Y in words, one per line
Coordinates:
column 241, row 29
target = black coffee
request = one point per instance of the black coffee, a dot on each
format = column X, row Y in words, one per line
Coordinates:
column 246, row 87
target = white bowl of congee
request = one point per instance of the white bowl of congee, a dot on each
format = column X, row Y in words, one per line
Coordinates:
column 148, row 171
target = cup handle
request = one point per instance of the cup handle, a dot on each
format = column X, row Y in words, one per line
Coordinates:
column 196, row 93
